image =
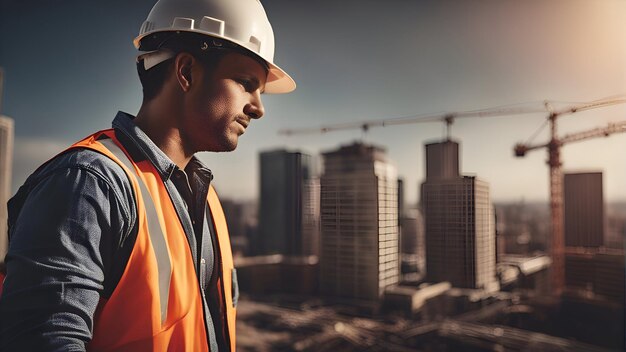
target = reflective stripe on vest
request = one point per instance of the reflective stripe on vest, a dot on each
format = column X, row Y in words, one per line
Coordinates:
column 154, row 229
column 157, row 304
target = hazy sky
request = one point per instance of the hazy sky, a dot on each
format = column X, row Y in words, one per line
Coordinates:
column 69, row 67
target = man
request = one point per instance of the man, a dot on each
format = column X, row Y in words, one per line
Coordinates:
column 120, row 243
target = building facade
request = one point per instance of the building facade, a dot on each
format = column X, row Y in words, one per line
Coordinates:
column 583, row 208
column 359, row 216
column 288, row 209
column 459, row 223
column 598, row 271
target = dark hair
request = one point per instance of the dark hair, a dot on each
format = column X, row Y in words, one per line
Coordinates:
column 152, row 80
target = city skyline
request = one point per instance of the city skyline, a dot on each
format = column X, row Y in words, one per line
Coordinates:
column 462, row 282
column 363, row 61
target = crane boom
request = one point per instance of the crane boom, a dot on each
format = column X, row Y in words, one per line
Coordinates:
column 447, row 117
column 611, row 128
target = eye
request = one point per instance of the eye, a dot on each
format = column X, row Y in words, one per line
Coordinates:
column 247, row 84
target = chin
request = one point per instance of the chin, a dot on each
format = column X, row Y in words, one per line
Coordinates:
column 226, row 146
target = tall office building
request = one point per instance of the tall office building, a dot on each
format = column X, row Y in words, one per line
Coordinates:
column 359, row 212
column 288, row 215
column 459, row 222
column 6, row 163
column 583, row 207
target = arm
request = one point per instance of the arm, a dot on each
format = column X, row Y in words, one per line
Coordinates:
column 62, row 241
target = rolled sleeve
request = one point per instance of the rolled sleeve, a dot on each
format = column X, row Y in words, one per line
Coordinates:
column 61, row 245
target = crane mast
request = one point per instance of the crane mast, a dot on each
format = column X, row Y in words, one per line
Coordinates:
column 556, row 209
column 557, row 242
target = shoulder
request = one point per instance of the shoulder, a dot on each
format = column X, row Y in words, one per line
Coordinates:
column 89, row 164
column 81, row 158
column 80, row 173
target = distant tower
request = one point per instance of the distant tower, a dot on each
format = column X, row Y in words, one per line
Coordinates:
column 6, row 162
column 359, row 211
column 412, row 239
column 583, row 206
column 459, row 222
column 288, row 213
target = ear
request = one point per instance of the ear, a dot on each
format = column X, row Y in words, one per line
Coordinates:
column 182, row 66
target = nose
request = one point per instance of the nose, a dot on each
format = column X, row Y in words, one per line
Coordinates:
column 254, row 109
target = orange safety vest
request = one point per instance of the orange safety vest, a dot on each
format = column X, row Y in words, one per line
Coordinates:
column 157, row 304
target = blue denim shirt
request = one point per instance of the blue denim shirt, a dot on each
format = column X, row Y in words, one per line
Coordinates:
column 72, row 227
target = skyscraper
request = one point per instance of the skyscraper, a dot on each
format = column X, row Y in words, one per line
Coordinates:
column 583, row 208
column 459, row 222
column 288, row 213
column 6, row 162
column 359, row 213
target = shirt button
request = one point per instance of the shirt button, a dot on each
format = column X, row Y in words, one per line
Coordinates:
column 202, row 261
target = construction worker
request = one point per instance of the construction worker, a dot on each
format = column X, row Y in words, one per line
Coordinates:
column 119, row 243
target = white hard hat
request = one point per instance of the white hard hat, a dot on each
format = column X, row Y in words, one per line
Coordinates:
column 242, row 22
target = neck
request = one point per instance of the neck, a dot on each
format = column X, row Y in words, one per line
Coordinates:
column 159, row 124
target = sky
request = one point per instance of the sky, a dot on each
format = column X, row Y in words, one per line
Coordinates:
column 69, row 67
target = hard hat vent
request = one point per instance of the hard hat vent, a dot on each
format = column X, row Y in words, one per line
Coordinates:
column 212, row 25
column 147, row 27
column 255, row 44
column 182, row 23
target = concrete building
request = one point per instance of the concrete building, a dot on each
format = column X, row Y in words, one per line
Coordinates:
column 459, row 223
column 6, row 169
column 278, row 274
column 596, row 271
column 524, row 272
column 410, row 300
column 583, row 208
column 359, row 255
column 288, row 207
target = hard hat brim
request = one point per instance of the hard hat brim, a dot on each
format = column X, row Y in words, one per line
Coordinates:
column 278, row 81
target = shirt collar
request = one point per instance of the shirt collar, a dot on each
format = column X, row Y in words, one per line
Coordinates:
column 124, row 123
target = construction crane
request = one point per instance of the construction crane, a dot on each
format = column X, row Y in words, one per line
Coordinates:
column 553, row 146
column 557, row 243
